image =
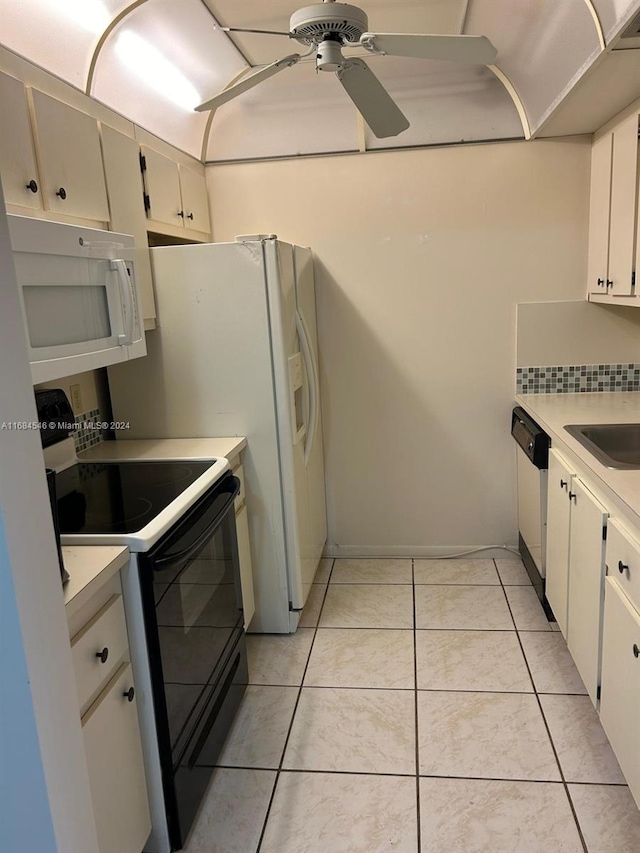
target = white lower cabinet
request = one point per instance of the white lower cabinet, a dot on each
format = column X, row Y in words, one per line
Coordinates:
column 586, row 583
column 620, row 694
column 559, row 484
column 107, row 705
column 116, row 769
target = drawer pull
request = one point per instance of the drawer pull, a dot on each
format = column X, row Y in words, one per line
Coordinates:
column 32, row 186
column 622, row 567
column 103, row 655
column 62, row 193
column 563, row 484
column 129, row 694
column 636, row 650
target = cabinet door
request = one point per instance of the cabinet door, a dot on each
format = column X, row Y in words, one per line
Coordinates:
column 586, row 584
column 560, row 480
column 68, row 149
column 246, row 570
column 620, row 700
column 20, row 180
column 124, row 181
column 162, row 183
column 599, row 214
column 624, row 182
column 195, row 201
column 116, row 769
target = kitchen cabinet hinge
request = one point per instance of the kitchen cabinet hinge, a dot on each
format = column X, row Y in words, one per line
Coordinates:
column 147, row 202
column 598, row 692
column 633, row 279
column 604, row 534
column 143, row 163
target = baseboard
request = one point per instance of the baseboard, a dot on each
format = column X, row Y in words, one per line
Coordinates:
column 420, row 551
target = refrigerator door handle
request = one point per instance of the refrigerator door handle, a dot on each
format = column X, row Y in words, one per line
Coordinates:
column 312, row 373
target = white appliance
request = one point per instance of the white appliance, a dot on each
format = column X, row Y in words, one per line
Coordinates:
column 79, row 296
column 236, row 354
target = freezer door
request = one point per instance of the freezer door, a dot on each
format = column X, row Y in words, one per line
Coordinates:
column 314, row 450
column 295, row 380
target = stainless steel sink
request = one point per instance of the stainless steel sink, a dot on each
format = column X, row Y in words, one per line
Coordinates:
column 615, row 445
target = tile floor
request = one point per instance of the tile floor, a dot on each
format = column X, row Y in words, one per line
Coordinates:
column 423, row 706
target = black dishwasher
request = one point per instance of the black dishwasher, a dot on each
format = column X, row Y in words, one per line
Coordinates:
column 532, row 456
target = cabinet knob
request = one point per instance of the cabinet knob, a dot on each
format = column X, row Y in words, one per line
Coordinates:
column 62, row 193
column 32, row 186
column 636, row 650
column 180, row 213
column 103, row 655
column 622, row 566
column 129, row 694
column 572, row 496
column 189, row 215
column 600, row 282
column 609, row 283
column 563, row 484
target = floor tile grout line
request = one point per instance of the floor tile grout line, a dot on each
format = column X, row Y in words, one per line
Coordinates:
column 548, row 730
column 415, row 687
column 293, row 716
column 412, row 775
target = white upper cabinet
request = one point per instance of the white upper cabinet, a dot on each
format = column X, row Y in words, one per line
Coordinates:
column 68, row 149
column 195, row 201
column 614, row 226
column 175, row 194
column 20, row 178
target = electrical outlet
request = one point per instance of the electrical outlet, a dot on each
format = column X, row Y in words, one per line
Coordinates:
column 76, row 399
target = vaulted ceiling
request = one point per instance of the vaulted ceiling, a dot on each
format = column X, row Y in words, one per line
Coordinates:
column 562, row 67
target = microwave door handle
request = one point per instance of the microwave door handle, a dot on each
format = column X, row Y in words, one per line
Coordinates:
column 126, row 297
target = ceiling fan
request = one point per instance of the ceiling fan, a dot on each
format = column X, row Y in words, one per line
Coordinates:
column 327, row 28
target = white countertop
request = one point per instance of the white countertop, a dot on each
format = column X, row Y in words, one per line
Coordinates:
column 554, row 411
column 89, row 567
column 165, row 448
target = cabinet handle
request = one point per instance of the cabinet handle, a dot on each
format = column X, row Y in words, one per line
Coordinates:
column 563, row 484
column 636, row 650
column 572, row 496
column 622, row 566
column 609, row 283
column 189, row 215
column 62, row 193
column 32, row 186
column 180, row 213
column 103, row 655
column 600, row 282
column 129, row 694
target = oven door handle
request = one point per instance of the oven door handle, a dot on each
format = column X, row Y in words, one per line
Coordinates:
column 206, row 533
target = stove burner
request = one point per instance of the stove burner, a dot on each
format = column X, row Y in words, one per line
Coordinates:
column 144, row 505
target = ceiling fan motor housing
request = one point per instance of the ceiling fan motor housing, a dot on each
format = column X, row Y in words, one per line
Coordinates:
column 336, row 22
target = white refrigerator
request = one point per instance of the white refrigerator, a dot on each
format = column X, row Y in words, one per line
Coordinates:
column 236, row 353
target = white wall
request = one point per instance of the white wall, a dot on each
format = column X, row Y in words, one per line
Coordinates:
column 577, row 333
column 44, row 690
column 421, row 257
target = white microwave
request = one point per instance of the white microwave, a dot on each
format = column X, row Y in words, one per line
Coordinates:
column 79, row 295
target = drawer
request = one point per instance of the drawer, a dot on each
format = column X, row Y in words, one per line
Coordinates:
column 239, row 473
column 103, row 637
column 623, row 560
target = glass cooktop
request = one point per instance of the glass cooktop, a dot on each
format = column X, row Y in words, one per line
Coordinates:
column 120, row 497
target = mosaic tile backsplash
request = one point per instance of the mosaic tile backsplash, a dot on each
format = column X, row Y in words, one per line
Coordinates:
column 85, row 436
column 578, row 378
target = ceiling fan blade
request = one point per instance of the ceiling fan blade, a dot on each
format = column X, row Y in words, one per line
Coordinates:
column 249, row 82
column 260, row 32
column 371, row 98
column 476, row 49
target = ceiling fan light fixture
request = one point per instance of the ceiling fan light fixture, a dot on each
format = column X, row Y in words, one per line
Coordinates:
column 329, row 56
column 314, row 23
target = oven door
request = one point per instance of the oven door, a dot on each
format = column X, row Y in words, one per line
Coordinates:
column 194, row 624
